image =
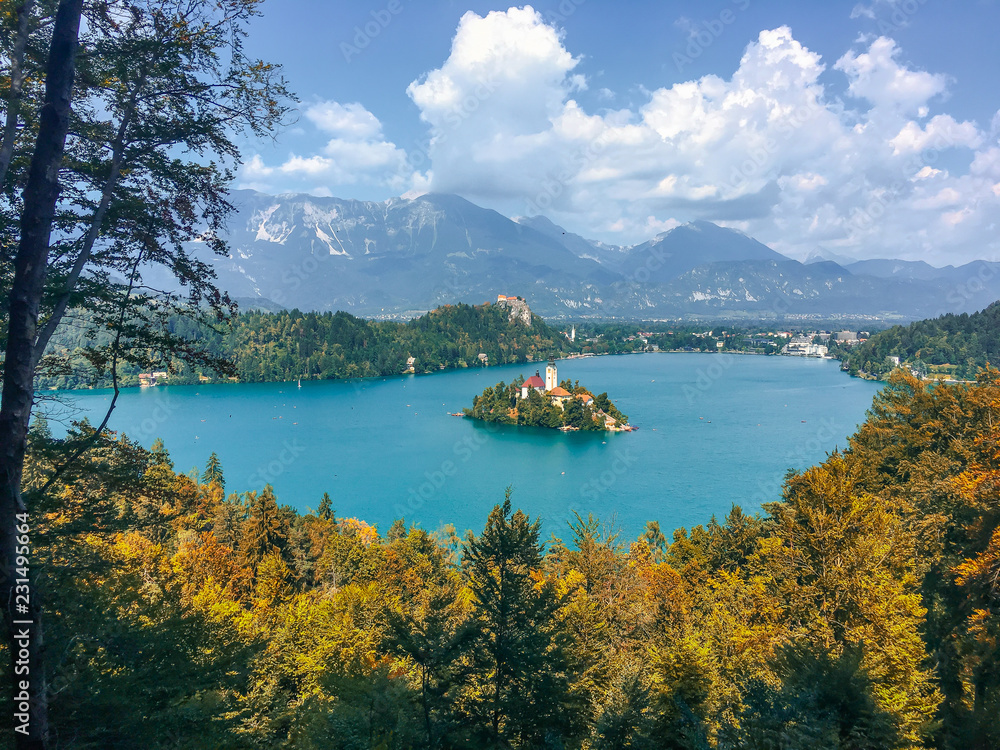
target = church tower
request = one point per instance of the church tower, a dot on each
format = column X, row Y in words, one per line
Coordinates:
column 551, row 376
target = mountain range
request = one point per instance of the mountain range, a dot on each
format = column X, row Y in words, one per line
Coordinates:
column 403, row 256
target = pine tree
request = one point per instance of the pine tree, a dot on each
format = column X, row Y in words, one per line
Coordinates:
column 656, row 540
column 160, row 454
column 265, row 531
column 213, row 472
column 436, row 635
column 325, row 510
column 397, row 531
column 824, row 702
column 521, row 688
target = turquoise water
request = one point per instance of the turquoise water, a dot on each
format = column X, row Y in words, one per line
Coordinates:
column 714, row 429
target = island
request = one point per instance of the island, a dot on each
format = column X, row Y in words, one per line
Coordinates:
column 565, row 406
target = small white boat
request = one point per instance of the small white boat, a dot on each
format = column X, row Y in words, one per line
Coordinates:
column 300, row 383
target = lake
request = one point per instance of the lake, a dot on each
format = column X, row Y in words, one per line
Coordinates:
column 714, row 429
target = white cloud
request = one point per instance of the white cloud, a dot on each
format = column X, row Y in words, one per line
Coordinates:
column 877, row 76
column 804, row 182
column 768, row 148
column 954, row 218
column 255, row 169
column 945, row 198
column 492, row 104
column 656, row 226
column 986, row 163
column 357, row 154
column 863, row 11
column 926, row 173
column 344, row 120
column 942, row 132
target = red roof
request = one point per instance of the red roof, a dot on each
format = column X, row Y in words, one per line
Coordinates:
column 534, row 382
column 559, row 391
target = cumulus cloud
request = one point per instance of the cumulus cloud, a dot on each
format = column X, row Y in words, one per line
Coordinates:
column 344, row 120
column 768, row 148
column 357, row 154
column 877, row 75
column 491, row 105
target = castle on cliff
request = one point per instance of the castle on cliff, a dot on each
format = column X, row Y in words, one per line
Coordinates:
column 518, row 308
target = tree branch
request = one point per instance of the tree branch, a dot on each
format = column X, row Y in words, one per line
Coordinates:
column 115, row 348
column 17, row 78
column 118, row 152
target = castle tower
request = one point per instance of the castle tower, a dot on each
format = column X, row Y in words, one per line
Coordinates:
column 551, row 376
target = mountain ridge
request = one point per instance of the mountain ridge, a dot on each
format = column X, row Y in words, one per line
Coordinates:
column 404, row 256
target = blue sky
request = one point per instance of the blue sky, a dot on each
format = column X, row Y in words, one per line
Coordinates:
column 864, row 129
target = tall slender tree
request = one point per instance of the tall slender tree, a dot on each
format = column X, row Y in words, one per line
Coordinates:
column 521, row 684
column 22, row 613
column 213, row 472
column 265, row 530
column 105, row 197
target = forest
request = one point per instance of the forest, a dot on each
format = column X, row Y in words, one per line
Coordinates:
column 503, row 404
column 861, row 609
column 954, row 345
column 292, row 345
column 259, row 346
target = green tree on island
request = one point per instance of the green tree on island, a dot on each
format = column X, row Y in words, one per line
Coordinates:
column 503, row 404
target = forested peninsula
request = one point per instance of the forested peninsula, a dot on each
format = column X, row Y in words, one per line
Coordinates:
column 952, row 346
column 293, row 345
column 860, row 609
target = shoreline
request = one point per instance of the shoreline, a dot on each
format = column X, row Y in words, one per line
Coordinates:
column 587, row 355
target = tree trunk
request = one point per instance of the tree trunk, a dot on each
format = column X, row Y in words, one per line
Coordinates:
column 22, row 611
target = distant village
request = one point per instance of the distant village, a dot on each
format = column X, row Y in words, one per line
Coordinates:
column 808, row 343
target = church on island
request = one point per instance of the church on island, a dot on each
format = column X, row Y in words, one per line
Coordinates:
column 554, row 394
column 550, row 386
column 544, row 402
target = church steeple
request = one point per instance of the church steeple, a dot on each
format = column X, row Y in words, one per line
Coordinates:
column 551, row 375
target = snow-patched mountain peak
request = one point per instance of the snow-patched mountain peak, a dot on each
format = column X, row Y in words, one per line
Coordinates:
column 409, row 254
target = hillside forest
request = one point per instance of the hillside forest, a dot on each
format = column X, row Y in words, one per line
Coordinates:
column 292, row 345
column 957, row 346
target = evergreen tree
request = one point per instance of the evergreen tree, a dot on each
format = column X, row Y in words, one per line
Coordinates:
column 436, row 635
column 824, row 702
column 520, row 691
column 397, row 531
column 325, row 510
column 265, row 530
column 656, row 540
column 213, row 472
column 160, row 454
